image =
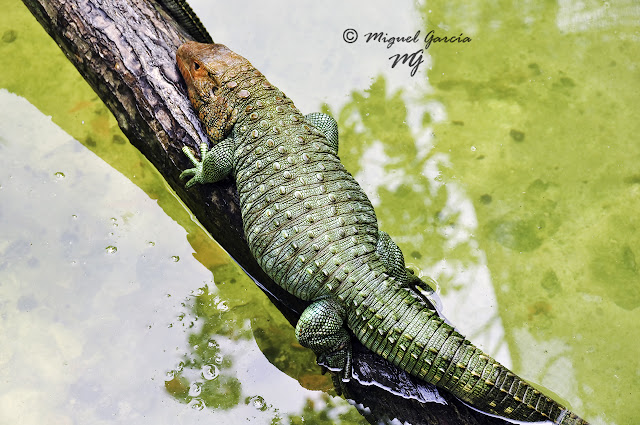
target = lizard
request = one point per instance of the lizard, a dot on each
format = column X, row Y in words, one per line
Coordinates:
column 314, row 231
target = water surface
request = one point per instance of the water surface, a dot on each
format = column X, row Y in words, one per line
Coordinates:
column 506, row 168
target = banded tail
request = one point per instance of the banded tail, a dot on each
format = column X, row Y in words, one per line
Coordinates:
column 395, row 325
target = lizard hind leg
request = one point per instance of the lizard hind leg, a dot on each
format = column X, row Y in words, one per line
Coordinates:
column 327, row 126
column 393, row 260
column 321, row 329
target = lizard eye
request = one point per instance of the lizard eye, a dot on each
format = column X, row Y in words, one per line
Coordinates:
column 196, row 66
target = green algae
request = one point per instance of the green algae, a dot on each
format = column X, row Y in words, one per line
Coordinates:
column 550, row 105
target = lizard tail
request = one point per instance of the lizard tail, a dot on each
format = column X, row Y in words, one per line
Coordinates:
column 415, row 338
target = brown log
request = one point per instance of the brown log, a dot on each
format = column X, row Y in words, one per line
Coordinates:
column 125, row 49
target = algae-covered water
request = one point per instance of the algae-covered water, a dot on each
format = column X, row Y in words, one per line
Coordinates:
column 506, row 167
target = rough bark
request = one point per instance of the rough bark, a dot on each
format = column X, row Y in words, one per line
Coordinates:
column 125, row 49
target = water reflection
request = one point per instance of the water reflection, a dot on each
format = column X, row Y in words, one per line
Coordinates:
column 205, row 377
column 544, row 92
column 220, row 322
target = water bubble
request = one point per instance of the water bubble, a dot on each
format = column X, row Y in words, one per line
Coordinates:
column 175, row 258
column 218, row 358
column 257, row 402
column 169, row 375
column 220, row 305
column 59, row 175
column 197, row 404
column 180, row 367
column 111, row 249
column 195, row 389
column 151, row 243
column 210, row 371
column 74, row 216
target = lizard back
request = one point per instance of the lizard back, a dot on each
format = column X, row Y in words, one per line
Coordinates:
column 307, row 221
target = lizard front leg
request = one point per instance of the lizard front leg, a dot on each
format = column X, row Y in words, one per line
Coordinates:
column 215, row 165
column 321, row 328
column 327, row 126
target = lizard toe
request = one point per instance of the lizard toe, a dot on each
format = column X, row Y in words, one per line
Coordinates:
column 188, row 173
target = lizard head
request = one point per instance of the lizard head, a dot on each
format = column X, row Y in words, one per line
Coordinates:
column 210, row 71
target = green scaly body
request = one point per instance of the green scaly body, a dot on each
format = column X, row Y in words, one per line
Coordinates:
column 313, row 230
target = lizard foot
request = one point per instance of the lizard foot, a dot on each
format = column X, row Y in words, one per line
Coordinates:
column 195, row 172
column 338, row 362
column 339, row 365
column 215, row 164
column 321, row 328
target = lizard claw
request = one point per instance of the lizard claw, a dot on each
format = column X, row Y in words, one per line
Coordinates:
column 188, row 173
column 191, row 182
column 337, row 383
